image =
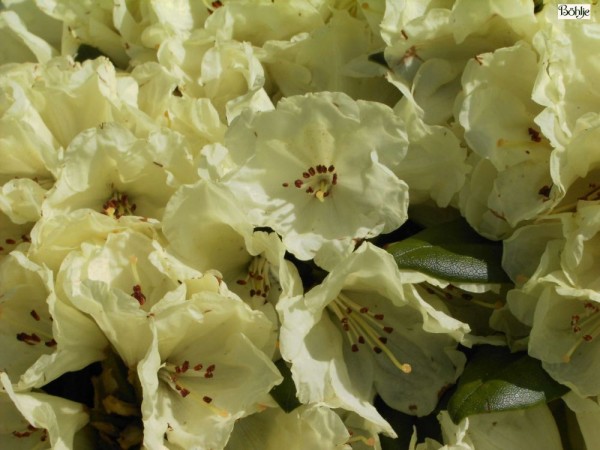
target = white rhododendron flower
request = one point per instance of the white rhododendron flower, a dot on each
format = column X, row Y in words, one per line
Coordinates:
column 251, row 262
column 53, row 238
column 109, row 170
column 37, row 420
column 228, row 73
column 193, row 394
column 331, row 58
column 316, row 170
column 254, row 224
column 306, row 427
column 563, row 87
column 497, row 114
column 258, row 21
column 519, row 429
column 379, row 331
column 25, row 315
column 120, row 282
column 428, row 50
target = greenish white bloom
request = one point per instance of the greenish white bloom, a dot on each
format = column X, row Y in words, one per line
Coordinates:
column 332, row 57
column 308, row 426
column 48, row 419
column 317, row 170
column 109, row 170
column 205, row 369
column 379, row 331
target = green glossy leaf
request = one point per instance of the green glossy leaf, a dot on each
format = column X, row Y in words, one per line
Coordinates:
column 451, row 251
column 285, row 393
column 497, row 380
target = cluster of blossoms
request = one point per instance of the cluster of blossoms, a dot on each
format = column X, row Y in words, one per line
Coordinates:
column 191, row 194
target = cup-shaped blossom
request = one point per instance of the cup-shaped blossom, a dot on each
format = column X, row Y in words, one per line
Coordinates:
column 251, row 262
column 37, row 420
column 109, row 170
column 53, row 238
column 308, row 426
column 121, row 282
column 41, row 341
column 28, row 147
column 333, row 57
column 428, row 50
column 498, row 117
column 257, row 22
column 313, row 170
column 25, row 322
column 563, row 86
column 204, row 370
column 226, row 72
column 382, row 337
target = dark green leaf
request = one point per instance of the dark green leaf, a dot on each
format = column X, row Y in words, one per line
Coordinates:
column 497, row 380
column 285, row 393
column 451, row 251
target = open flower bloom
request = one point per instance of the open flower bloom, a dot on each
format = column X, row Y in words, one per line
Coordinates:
column 313, row 170
column 204, row 369
column 520, row 430
column 25, row 322
column 563, row 87
column 258, row 21
column 557, row 294
column 498, row 116
column 226, row 72
column 53, row 238
column 428, row 49
column 119, row 283
column 251, row 262
column 41, row 340
column 308, row 426
column 332, row 57
column 109, row 170
column 36, row 420
column 381, row 338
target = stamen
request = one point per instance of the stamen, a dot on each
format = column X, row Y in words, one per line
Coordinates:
column 585, row 326
column 175, row 376
column 359, row 325
column 316, row 181
column 137, row 288
column 257, row 280
column 118, row 205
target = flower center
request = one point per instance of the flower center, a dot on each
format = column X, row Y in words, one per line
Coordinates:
column 118, row 205
column 585, row 326
column 364, row 328
column 178, row 377
column 317, row 181
column 257, row 280
column 116, row 412
column 40, row 330
column 137, row 288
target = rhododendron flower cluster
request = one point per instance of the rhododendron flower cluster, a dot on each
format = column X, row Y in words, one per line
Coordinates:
column 196, row 199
